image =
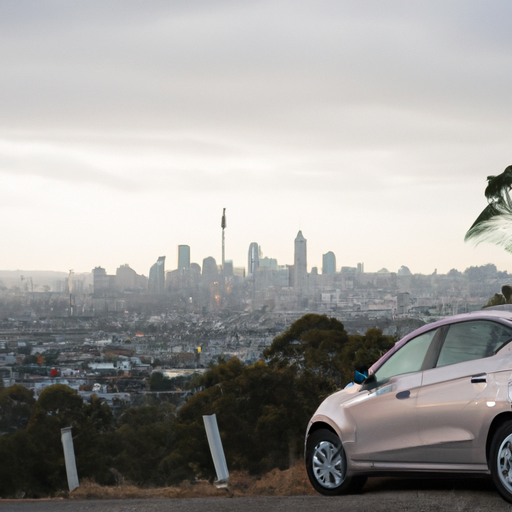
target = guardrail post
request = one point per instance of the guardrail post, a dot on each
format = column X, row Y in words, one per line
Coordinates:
column 219, row 459
column 69, row 458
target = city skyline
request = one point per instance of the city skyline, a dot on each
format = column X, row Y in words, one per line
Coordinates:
column 369, row 127
column 256, row 259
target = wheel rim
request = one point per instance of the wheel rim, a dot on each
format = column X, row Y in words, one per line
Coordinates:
column 328, row 464
column 504, row 461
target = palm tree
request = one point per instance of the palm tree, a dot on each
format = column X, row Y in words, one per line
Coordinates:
column 494, row 224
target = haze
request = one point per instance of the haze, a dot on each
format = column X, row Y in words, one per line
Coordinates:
column 126, row 127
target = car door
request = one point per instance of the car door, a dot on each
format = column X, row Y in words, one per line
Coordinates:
column 385, row 413
column 452, row 404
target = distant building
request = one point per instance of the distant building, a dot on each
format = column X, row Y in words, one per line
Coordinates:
column 210, row 270
column 103, row 284
column 100, row 280
column 404, row 271
column 253, row 261
column 300, row 270
column 239, row 271
column 228, row 267
column 156, row 283
column 329, row 263
column 184, row 257
column 268, row 263
column 403, row 302
column 128, row 279
column 282, row 276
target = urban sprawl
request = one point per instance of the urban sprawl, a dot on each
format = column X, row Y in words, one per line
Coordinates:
column 107, row 334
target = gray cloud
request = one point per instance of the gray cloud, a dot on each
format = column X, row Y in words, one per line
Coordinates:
column 35, row 158
column 250, row 65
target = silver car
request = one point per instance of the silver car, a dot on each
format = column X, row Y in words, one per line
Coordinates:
column 440, row 401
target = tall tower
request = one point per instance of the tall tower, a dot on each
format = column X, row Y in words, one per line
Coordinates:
column 223, row 226
column 183, row 257
column 156, row 281
column 253, row 261
column 300, row 270
column 329, row 263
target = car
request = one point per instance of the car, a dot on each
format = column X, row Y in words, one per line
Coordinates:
column 438, row 402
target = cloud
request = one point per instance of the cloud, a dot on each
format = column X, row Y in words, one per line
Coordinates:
column 247, row 67
column 53, row 162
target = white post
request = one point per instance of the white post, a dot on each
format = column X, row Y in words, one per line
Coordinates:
column 69, row 458
column 219, row 459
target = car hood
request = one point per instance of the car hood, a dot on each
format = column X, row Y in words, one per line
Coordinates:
column 341, row 397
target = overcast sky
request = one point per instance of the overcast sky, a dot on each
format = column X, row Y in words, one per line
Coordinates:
column 126, row 127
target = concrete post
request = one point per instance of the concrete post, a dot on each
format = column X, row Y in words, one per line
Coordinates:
column 219, row 459
column 69, row 458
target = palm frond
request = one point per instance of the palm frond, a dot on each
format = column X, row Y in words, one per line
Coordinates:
column 494, row 224
column 498, row 186
column 492, row 210
column 496, row 229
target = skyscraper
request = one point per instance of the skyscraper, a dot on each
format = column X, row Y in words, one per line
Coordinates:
column 253, row 260
column 183, row 257
column 126, row 278
column 210, row 270
column 329, row 263
column 100, row 281
column 300, row 270
column 156, row 283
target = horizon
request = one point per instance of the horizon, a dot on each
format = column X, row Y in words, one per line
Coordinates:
column 338, row 270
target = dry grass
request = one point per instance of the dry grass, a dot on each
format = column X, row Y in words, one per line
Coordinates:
column 290, row 482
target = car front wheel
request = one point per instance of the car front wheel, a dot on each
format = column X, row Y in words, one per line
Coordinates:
column 501, row 461
column 326, row 465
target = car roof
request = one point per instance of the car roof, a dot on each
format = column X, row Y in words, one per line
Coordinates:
column 495, row 313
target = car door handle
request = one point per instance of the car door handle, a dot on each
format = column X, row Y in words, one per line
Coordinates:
column 476, row 379
column 403, row 394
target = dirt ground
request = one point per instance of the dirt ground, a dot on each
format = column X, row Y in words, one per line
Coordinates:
column 290, row 482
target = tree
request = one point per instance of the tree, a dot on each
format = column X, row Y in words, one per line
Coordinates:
column 142, row 440
column 159, row 382
column 318, row 344
column 505, row 297
column 262, row 413
column 60, row 402
column 494, row 224
column 58, row 406
column 263, row 409
column 40, row 447
column 361, row 352
column 16, row 403
column 312, row 343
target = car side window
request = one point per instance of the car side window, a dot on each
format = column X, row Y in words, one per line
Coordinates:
column 408, row 359
column 467, row 341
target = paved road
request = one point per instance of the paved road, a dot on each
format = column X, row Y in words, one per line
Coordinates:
column 379, row 495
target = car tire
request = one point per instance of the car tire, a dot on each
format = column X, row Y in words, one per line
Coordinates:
column 500, row 462
column 326, row 465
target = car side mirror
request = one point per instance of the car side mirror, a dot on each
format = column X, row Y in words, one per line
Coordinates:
column 360, row 377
